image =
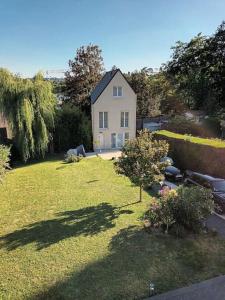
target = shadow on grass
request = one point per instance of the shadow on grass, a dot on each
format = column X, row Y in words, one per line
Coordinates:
column 65, row 165
column 48, row 158
column 92, row 181
column 135, row 258
column 86, row 221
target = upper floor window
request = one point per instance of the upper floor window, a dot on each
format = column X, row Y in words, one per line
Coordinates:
column 124, row 119
column 117, row 91
column 103, row 119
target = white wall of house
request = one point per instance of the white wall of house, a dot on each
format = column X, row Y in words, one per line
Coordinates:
column 114, row 135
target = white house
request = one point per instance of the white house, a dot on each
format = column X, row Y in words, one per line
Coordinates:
column 113, row 109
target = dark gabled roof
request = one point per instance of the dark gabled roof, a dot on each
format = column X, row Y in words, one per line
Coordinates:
column 100, row 87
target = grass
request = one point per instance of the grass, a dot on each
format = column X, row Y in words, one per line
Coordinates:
column 217, row 143
column 70, row 231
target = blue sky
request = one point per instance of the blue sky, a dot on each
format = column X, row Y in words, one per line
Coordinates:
column 44, row 34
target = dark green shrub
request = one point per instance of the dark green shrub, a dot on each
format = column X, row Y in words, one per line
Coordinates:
column 178, row 230
column 4, row 160
column 191, row 206
column 72, row 128
column 213, row 127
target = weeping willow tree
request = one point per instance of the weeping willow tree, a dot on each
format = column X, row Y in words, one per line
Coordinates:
column 29, row 107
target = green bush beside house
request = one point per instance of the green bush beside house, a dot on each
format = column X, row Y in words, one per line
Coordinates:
column 72, row 128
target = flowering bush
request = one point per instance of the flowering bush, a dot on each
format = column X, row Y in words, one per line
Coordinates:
column 160, row 212
column 185, row 207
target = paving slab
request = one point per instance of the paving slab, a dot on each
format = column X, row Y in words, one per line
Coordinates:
column 91, row 154
column 212, row 289
column 109, row 154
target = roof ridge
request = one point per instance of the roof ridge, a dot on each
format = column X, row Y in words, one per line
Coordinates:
column 103, row 83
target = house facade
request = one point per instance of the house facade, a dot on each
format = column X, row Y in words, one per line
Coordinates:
column 113, row 108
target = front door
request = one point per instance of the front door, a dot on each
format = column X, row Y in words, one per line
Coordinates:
column 117, row 140
column 101, row 141
column 120, row 140
column 113, row 140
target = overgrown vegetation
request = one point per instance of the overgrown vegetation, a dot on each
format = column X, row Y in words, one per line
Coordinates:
column 185, row 207
column 141, row 160
column 4, row 160
column 29, row 107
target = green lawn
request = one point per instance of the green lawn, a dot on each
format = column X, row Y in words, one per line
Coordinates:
column 217, row 143
column 70, row 231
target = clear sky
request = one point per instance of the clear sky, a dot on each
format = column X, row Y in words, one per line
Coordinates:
column 44, row 34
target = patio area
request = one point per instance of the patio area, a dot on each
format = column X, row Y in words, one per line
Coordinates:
column 104, row 154
column 109, row 154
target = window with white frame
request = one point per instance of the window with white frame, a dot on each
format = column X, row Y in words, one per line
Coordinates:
column 103, row 119
column 124, row 119
column 117, row 91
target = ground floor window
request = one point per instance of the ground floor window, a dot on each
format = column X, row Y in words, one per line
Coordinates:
column 118, row 139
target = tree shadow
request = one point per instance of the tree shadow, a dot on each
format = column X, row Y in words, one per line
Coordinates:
column 92, row 181
column 48, row 158
column 135, row 258
column 64, row 166
column 85, row 221
column 130, row 204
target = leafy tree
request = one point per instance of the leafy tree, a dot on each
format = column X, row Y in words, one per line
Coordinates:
column 197, row 69
column 29, row 107
column 85, row 72
column 147, row 104
column 185, row 68
column 166, row 94
column 156, row 93
column 141, row 160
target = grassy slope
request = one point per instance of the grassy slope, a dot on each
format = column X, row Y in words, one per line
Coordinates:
column 217, row 143
column 68, row 232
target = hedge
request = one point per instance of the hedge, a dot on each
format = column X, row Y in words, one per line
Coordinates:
column 206, row 156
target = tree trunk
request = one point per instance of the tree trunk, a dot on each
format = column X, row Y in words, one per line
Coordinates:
column 140, row 198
